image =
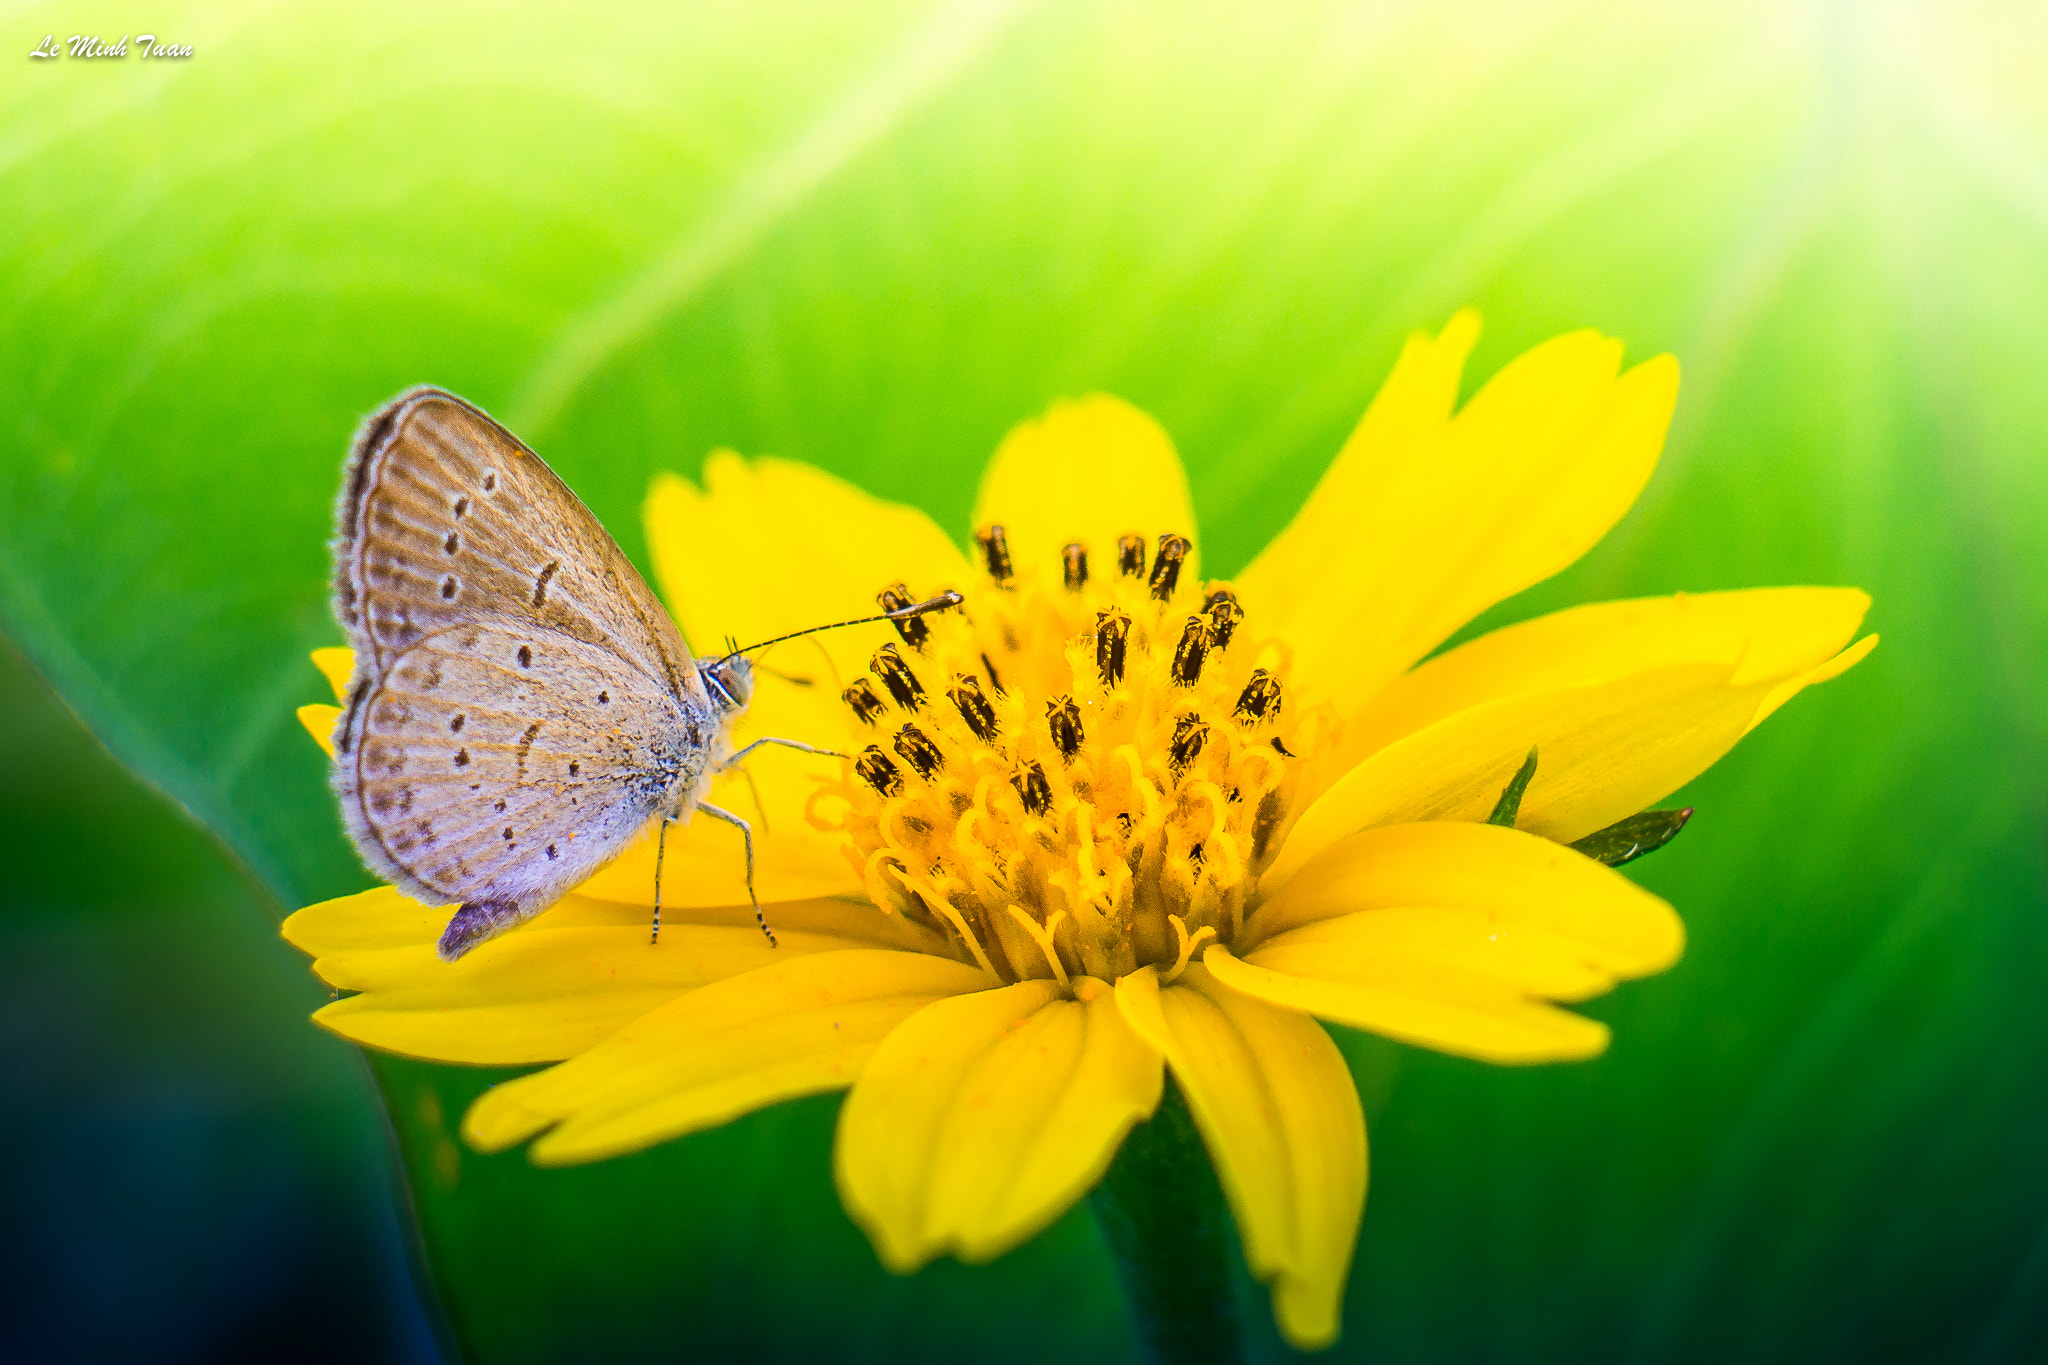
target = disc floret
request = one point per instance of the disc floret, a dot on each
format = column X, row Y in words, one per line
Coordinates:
column 1076, row 775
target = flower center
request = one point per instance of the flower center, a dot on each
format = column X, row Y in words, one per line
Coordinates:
column 1076, row 774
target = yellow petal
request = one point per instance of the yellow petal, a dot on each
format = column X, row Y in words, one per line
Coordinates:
column 378, row 918
column 1760, row 633
column 1423, row 524
column 1452, row 936
column 1276, row 1106
column 541, row 994
column 1437, row 1007
column 319, row 718
column 384, row 918
column 1412, row 406
column 1513, row 879
column 1092, row 469
column 336, row 664
column 548, row 989
column 798, row 1027
column 1819, row 673
column 1605, row 752
column 982, row 1118
column 771, row 546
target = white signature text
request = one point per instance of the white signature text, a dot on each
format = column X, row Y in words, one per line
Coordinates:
column 91, row 45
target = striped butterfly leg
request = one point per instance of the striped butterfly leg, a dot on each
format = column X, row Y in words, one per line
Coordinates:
column 746, row 832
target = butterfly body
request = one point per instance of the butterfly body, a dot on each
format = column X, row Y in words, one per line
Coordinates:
column 521, row 705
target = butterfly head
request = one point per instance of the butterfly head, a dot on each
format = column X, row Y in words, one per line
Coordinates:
column 730, row 682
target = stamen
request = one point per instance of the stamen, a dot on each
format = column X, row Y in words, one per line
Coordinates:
column 995, row 679
column 1260, row 700
column 995, row 552
column 1224, row 613
column 1032, row 788
column 1130, row 556
column 1173, row 552
column 1042, row 934
column 1190, row 733
column 1074, row 559
column 1112, row 631
column 975, row 708
column 1063, row 721
column 914, row 630
column 867, row 704
column 878, row 772
column 919, row 752
column 897, row 677
column 1188, row 944
column 1190, row 652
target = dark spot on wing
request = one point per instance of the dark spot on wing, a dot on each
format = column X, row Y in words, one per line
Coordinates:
column 461, row 506
column 455, row 725
column 575, row 768
column 449, row 586
column 540, row 582
column 452, row 544
column 462, row 758
column 603, row 698
column 551, row 852
column 490, row 481
column 526, row 656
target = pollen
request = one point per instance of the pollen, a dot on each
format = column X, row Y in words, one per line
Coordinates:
column 1075, row 775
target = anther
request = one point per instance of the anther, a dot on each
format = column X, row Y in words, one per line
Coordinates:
column 1173, row 552
column 995, row 679
column 1190, row 652
column 897, row 677
column 878, row 772
column 1032, row 788
column 1224, row 613
column 1130, row 556
column 919, row 752
column 1260, row 700
column 1190, row 733
column 995, row 552
column 914, row 630
column 1112, row 632
column 1074, row 560
column 867, row 704
column 975, row 707
column 1063, row 722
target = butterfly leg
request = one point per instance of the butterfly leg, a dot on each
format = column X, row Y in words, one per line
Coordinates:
column 660, row 850
column 747, row 831
column 785, row 743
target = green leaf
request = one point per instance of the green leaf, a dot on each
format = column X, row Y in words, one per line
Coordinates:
column 873, row 237
column 1624, row 841
column 1510, row 804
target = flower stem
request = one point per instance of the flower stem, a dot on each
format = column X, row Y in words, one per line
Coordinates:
column 1162, row 1214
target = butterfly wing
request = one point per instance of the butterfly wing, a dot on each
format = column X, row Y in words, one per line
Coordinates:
column 446, row 518
column 521, row 704
column 500, row 767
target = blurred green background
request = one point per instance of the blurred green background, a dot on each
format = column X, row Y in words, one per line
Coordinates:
column 873, row 236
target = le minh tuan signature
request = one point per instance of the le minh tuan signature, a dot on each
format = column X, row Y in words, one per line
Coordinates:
column 81, row 45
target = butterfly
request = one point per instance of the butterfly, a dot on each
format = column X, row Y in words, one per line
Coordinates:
column 521, row 705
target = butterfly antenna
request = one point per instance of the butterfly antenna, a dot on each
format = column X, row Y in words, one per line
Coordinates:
column 939, row 603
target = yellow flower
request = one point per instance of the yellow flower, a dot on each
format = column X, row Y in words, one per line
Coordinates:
column 1111, row 818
